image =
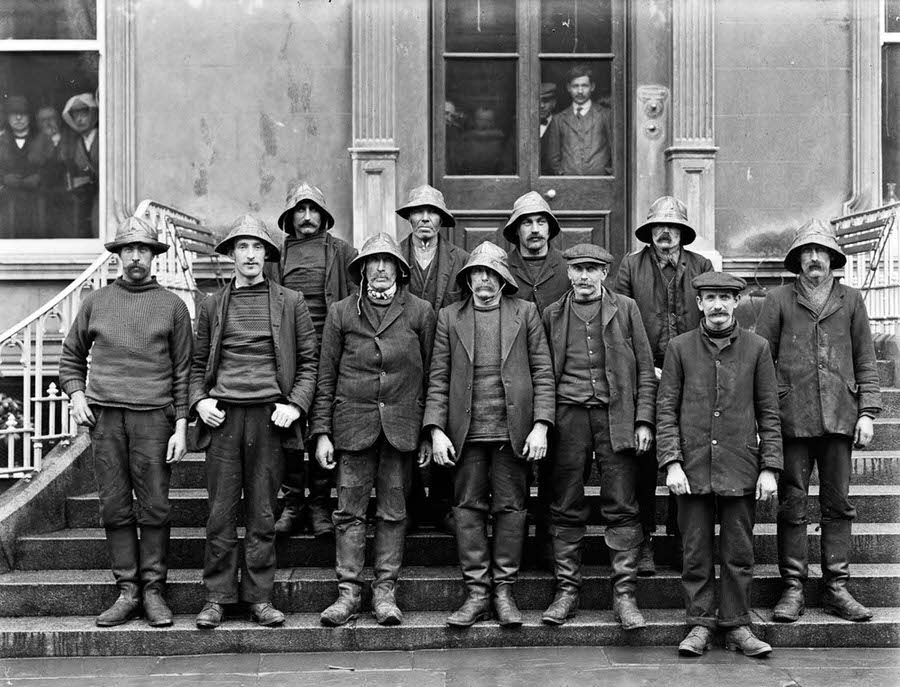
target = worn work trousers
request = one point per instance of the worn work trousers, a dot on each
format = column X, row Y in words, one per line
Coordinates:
column 490, row 478
column 697, row 516
column 579, row 434
column 244, row 455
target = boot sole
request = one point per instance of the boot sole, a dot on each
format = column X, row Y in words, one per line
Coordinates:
column 161, row 623
column 389, row 620
column 830, row 610
column 511, row 623
column 328, row 622
column 107, row 623
column 785, row 618
column 692, row 652
column 752, row 654
column 457, row 623
column 629, row 628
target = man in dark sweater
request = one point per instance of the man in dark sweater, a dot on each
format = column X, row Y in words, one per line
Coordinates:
column 135, row 403
column 313, row 262
column 253, row 377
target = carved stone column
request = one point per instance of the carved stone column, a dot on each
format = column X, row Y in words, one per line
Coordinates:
column 119, row 192
column 653, row 125
column 374, row 151
column 691, row 159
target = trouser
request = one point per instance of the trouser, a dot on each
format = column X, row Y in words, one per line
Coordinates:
column 436, row 505
column 697, row 514
column 579, row 433
column 244, row 455
column 390, row 472
column 129, row 448
column 306, row 474
column 831, row 453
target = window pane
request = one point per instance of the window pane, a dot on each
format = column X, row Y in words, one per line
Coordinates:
column 481, row 26
column 571, row 26
column 892, row 16
column 577, row 139
column 890, row 117
column 481, row 117
column 49, row 145
column 59, row 19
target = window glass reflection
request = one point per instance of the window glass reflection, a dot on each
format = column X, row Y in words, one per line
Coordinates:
column 481, row 26
column 572, row 26
column 892, row 16
column 49, row 19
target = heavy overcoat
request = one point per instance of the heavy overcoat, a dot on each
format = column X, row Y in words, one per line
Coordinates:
column 712, row 404
column 338, row 254
column 525, row 369
column 373, row 376
column 550, row 284
column 825, row 363
column 450, row 260
column 629, row 365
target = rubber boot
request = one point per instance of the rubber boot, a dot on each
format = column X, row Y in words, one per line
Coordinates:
column 624, row 584
column 319, row 501
column 154, row 548
column 474, row 560
column 646, row 566
column 509, row 538
column 390, row 538
column 794, row 569
column 567, row 548
column 836, row 598
column 350, row 555
column 123, row 554
column 294, row 487
column 791, row 604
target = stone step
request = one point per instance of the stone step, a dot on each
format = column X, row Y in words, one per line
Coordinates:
column 86, row 548
column 78, row 636
column 311, row 590
column 887, row 373
column 190, row 507
column 890, row 402
column 887, row 435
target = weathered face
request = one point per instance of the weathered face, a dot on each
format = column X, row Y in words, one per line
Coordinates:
column 381, row 271
column 546, row 106
column 136, row 260
column 425, row 221
column 48, row 121
column 534, row 232
column 249, row 255
column 666, row 237
column 717, row 306
column 18, row 122
column 485, row 283
column 586, row 279
column 307, row 218
column 581, row 89
column 84, row 118
column 815, row 262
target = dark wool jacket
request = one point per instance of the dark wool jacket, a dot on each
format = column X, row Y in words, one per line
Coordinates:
column 292, row 334
column 450, row 260
column 639, row 277
column 550, row 285
column 825, row 364
column 712, row 404
column 525, row 369
column 373, row 377
column 629, row 365
column 338, row 254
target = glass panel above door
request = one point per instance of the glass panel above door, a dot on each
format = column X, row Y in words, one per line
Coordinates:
column 51, row 19
column 481, row 26
column 576, row 26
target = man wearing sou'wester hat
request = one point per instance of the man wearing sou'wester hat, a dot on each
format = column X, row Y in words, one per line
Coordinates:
column 828, row 391
column 659, row 279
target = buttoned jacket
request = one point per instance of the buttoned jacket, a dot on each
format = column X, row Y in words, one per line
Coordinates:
column 549, row 286
column 373, row 376
column 825, row 363
column 581, row 145
column 629, row 365
column 525, row 371
column 338, row 254
column 450, row 260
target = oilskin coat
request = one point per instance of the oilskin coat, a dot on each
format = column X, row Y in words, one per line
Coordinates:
column 338, row 254
column 711, row 406
column 629, row 364
column 549, row 286
column 525, row 369
column 373, row 377
column 450, row 260
column 825, row 363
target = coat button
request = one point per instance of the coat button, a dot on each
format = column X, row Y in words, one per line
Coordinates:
column 382, row 405
column 714, row 442
column 383, row 373
column 715, row 414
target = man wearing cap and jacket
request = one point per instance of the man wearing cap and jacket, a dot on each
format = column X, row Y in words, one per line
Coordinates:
column 253, row 376
column 719, row 443
column 314, row 263
column 828, row 391
column 605, row 400
column 367, row 420
column 138, row 336
column 546, row 108
column 658, row 277
column 490, row 405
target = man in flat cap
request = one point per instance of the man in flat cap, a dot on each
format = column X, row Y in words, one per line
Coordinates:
column 658, row 278
column 828, row 389
column 546, row 108
column 367, row 420
column 314, row 263
column 253, row 377
column 434, row 263
column 605, row 395
column 490, row 405
column 716, row 396
column 138, row 336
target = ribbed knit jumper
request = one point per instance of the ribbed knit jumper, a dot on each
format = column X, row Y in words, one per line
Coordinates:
column 139, row 339
column 304, row 271
column 489, row 421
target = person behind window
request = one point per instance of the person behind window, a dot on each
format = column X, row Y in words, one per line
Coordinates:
column 580, row 137
column 79, row 151
column 484, row 149
column 546, row 108
column 53, row 200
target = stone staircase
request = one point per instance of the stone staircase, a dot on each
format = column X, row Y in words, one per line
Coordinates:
column 61, row 581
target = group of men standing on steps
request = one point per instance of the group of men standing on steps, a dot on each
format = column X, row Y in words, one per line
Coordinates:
column 318, row 365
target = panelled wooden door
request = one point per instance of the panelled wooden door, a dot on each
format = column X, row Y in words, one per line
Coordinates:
column 499, row 67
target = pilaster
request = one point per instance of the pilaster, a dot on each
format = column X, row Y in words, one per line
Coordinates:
column 119, row 193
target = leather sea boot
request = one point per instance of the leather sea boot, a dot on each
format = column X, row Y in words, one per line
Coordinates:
column 474, row 560
column 390, row 538
column 509, row 538
column 567, row 548
column 794, row 568
column 350, row 553
column 624, row 584
column 123, row 553
column 836, row 598
column 154, row 549
column 319, row 502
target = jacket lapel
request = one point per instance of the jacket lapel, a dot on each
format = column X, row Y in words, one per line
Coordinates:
column 330, row 254
column 833, row 304
column 465, row 328
column 510, row 323
column 393, row 312
column 559, row 329
column 608, row 307
column 517, row 266
column 443, row 273
column 276, row 308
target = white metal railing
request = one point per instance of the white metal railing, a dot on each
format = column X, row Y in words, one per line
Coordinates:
column 31, row 348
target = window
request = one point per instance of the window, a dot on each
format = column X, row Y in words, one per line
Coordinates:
column 50, row 138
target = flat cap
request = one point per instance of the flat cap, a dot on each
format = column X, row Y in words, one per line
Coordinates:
column 548, row 89
column 721, row 281
column 587, row 252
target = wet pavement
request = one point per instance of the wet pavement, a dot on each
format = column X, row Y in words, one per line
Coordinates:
column 518, row 667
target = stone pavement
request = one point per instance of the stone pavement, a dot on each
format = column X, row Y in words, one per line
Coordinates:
column 515, row 667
